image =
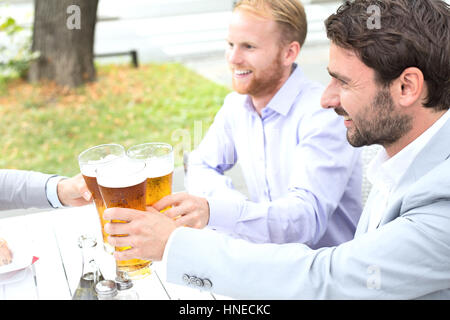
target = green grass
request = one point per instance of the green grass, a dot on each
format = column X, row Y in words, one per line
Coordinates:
column 45, row 127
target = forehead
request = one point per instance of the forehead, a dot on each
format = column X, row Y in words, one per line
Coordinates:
column 347, row 64
column 245, row 23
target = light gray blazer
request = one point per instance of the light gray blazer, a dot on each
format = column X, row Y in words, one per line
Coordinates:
column 407, row 257
column 23, row 189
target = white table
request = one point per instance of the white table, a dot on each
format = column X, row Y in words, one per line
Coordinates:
column 52, row 236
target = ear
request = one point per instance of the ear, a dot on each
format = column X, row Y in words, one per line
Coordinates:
column 409, row 87
column 291, row 53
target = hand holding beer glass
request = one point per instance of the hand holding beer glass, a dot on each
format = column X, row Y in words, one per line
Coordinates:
column 159, row 161
column 134, row 180
column 122, row 184
column 89, row 161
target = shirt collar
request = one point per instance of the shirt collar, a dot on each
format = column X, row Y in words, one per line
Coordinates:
column 386, row 172
column 284, row 99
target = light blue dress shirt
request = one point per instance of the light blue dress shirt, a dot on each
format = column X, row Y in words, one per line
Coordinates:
column 303, row 177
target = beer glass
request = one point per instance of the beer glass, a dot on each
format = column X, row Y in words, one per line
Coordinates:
column 122, row 184
column 159, row 166
column 91, row 159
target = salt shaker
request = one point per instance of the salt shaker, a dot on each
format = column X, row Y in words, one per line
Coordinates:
column 125, row 289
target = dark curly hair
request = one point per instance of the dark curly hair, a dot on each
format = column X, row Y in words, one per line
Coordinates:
column 411, row 33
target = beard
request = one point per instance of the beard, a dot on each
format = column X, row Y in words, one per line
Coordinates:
column 379, row 123
column 266, row 82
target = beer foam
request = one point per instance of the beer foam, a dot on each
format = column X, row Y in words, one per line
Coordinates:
column 158, row 167
column 121, row 174
column 89, row 168
column 88, row 171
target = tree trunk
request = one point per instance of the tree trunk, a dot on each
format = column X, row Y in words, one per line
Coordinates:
column 64, row 35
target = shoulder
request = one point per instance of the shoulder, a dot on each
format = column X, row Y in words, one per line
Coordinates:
column 233, row 106
column 311, row 90
column 308, row 94
column 308, row 90
column 234, row 101
column 427, row 205
column 431, row 188
column 311, row 116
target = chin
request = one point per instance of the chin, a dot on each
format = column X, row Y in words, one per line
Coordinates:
column 240, row 89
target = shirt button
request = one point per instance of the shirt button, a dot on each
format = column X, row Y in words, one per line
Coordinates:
column 192, row 280
column 186, row 279
column 199, row 282
column 207, row 284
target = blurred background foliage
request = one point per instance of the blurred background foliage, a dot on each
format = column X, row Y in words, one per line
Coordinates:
column 45, row 127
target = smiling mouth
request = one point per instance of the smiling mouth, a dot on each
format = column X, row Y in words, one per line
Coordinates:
column 341, row 112
column 241, row 73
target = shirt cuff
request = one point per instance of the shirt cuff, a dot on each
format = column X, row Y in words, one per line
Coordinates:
column 51, row 189
column 168, row 244
column 224, row 213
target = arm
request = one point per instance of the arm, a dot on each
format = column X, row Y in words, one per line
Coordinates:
column 215, row 155
column 26, row 189
column 323, row 165
column 404, row 259
column 23, row 189
column 324, row 185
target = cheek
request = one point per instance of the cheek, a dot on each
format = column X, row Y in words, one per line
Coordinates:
column 227, row 55
column 350, row 102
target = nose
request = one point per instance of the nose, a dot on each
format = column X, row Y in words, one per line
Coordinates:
column 330, row 97
column 233, row 55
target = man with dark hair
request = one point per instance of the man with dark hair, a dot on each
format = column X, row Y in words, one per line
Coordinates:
column 391, row 85
column 398, row 43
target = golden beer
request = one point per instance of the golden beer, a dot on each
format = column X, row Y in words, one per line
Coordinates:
column 158, row 188
column 158, row 158
column 89, row 161
column 122, row 184
column 92, row 185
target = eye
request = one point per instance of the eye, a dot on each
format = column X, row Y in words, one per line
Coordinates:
column 342, row 83
column 249, row 46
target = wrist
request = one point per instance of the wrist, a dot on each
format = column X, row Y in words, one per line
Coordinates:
column 61, row 192
column 207, row 210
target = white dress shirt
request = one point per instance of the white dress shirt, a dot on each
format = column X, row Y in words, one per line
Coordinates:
column 303, row 177
column 384, row 173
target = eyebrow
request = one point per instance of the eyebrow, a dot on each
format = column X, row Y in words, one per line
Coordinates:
column 338, row 76
column 244, row 43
